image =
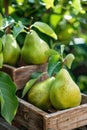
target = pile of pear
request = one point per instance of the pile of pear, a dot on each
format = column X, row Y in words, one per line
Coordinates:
column 59, row 92
column 32, row 52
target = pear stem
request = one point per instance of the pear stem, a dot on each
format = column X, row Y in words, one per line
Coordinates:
column 63, row 63
column 29, row 28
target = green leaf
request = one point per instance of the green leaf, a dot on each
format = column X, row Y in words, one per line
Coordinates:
column 52, row 52
column 5, row 78
column 7, row 22
column 35, row 75
column 68, row 60
column 1, row 59
column 54, row 65
column 18, row 29
column 28, row 86
column 8, row 99
column 10, row 20
column 49, row 3
column 33, row 78
column 45, row 28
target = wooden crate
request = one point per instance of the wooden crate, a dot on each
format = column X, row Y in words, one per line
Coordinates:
column 33, row 118
column 5, row 126
column 20, row 75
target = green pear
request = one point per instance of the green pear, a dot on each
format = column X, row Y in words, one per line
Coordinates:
column 11, row 49
column 39, row 94
column 33, row 51
column 64, row 92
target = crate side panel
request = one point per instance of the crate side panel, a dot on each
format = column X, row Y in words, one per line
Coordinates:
column 67, row 119
column 29, row 116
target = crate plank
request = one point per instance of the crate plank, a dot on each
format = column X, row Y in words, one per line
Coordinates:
column 30, row 116
column 34, row 118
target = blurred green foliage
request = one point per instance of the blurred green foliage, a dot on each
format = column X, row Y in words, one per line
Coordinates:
column 68, row 18
column 82, row 83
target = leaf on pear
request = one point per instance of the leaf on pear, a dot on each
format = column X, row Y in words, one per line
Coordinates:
column 8, row 99
column 54, row 65
column 7, row 22
column 28, row 86
column 68, row 60
column 18, row 28
column 33, row 78
column 45, row 28
column 10, row 20
column 52, row 52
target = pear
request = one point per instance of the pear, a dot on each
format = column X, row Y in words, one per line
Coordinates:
column 39, row 94
column 11, row 49
column 34, row 48
column 64, row 92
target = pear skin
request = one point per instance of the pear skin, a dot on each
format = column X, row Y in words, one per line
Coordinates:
column 11, row 50
column 33, row 51
column 39, row 94
column 64, row 92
